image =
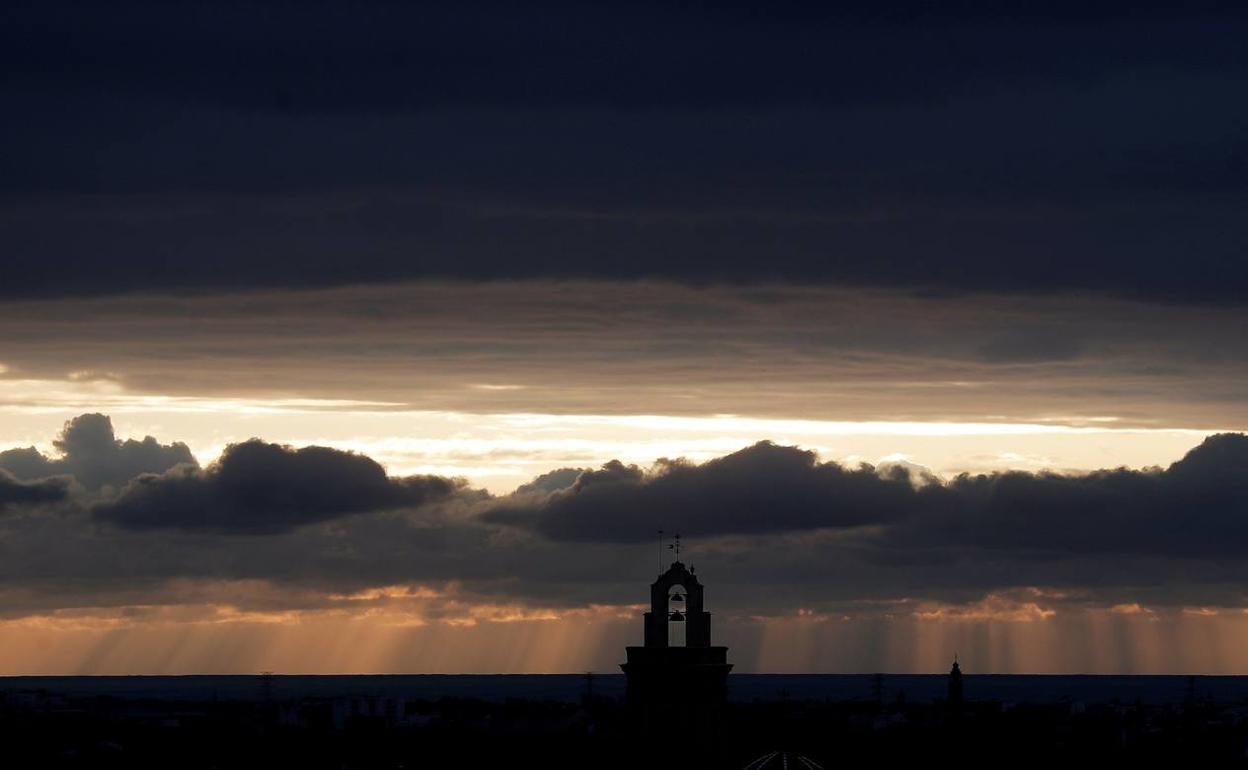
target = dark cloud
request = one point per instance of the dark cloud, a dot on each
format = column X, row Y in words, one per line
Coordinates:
column 261, row 488
column 388, row 56
column 93, row 455
column 1196, row 508
column 552, row 481
column 236, row 145
column 765, row 488
column 14, row 492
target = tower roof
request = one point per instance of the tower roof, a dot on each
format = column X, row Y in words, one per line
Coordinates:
column 678, row 573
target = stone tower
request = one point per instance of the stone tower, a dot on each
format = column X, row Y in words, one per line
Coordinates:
column 677, row 680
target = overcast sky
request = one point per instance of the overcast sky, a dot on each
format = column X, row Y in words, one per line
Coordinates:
column 406, row 326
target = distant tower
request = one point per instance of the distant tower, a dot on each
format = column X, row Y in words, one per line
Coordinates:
column 677, row 682
column 955, row 684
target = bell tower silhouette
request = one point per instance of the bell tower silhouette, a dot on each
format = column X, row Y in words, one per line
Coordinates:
column 677, row 680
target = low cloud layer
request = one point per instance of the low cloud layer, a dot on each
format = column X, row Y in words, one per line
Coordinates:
column 774, row 528
column 764, row 488
column 1196, row 507
column 261, row 488
column 14, row 492
column 93, row 455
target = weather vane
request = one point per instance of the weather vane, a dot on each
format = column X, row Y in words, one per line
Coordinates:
column 673, row 546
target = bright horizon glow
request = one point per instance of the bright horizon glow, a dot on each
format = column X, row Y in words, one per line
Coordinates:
column 500, row 451
column 991, row 636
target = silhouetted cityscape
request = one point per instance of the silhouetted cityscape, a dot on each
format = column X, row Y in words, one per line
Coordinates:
column 676, row 706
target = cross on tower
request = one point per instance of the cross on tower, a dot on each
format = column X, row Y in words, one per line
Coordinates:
column 675, row 545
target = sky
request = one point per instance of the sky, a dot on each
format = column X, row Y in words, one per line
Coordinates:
column 384, row 337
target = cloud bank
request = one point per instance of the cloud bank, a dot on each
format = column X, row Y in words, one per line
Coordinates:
column 1197, row 507
column 778, row 528
column 95, row 457
column 917, row 148
column 261, row 488
column 764, row 488
column 14, row 492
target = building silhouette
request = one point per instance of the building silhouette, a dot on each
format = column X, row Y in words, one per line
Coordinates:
column 955, row 685
column 677, row 682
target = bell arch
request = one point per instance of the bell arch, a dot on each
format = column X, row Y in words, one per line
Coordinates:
column 696, row 619
column 676, row 610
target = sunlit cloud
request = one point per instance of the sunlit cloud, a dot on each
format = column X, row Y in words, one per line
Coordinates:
column 91, row 391
column 1204, row 612
column 995, row 607
column 1132, row 608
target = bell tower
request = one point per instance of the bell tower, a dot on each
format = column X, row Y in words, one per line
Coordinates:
column 677, row 679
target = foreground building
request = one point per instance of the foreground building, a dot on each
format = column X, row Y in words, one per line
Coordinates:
column 677, row 682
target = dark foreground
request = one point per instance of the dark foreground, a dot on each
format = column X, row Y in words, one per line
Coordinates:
column 282, row 723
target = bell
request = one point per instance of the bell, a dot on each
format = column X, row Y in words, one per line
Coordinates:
column 676, row 617
column 677, row 597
